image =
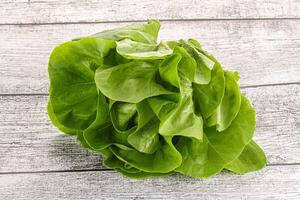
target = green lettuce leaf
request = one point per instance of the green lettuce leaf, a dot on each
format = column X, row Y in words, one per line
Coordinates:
column 123, row 82
column 251, row 159
column 164, row 160
column 137, row 50
column 230, row 104
column 208, row 97
column 146, row 33
column 73, row 92
column 203, row 159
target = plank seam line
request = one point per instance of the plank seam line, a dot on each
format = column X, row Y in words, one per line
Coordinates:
column 162, row 20
column 269, row 85
column 111, row 170
column 242, row 87
column 56, row 171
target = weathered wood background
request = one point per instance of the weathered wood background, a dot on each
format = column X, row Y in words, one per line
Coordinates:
column 259, row 38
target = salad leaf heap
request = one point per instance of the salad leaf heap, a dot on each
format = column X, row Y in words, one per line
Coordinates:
column 152, row 109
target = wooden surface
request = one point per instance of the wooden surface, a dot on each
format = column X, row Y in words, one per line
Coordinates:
column 274, row 182
column 259, row 38
column 263, row 51
column 74, row 11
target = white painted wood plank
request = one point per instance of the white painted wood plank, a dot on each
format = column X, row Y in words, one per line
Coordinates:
column 56, row 11
column 264, row 51
column 273, row 182
column 30, row 143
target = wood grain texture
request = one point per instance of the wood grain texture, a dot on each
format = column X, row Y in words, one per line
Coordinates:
column 273, row 182
column 30, row 143
column 56, row 11
column 264, row 51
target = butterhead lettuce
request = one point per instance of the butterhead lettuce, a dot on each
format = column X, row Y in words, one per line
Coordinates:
column 152, row 109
